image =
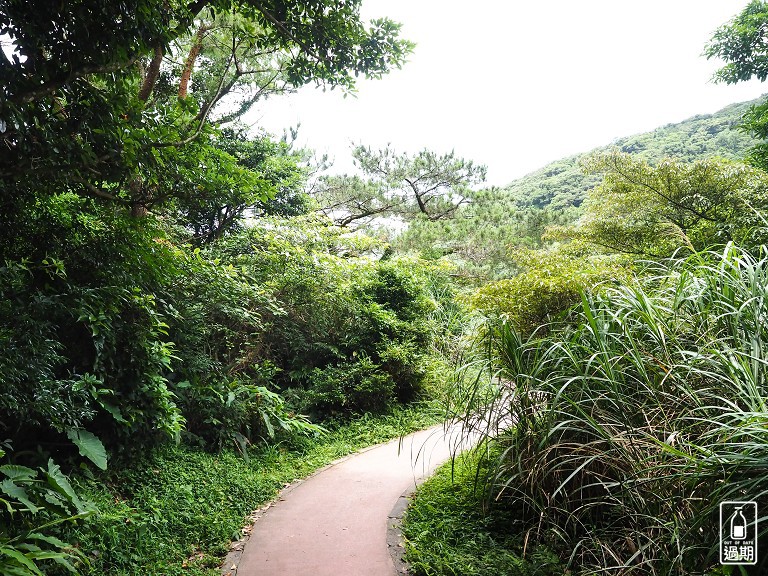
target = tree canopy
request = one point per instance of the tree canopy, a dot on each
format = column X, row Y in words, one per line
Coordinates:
column 651, row 211
column 123, row 101
column 426, row 184
column 743, row 45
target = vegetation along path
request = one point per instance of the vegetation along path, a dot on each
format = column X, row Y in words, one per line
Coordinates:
column 335, row 522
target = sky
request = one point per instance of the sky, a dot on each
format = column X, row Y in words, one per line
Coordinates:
column 517, row 84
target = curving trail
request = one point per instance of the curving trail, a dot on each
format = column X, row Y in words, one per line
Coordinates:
column 335, row 522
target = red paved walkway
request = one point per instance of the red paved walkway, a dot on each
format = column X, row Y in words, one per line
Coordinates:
column 335, row 522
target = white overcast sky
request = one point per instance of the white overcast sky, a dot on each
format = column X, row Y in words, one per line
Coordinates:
column 517, row 84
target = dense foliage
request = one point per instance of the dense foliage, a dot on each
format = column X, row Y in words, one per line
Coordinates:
column 635, row 418
column 548, row 284
column 487, row 233
column 653, row 211
column 123, row 101
column 353, row 331
column 171, row 300
column 139, row 301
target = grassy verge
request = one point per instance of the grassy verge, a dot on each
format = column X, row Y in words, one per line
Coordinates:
column 447, row 531
column 176, row 510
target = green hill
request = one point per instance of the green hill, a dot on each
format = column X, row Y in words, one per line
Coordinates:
column 498, row 220
column 562, row 183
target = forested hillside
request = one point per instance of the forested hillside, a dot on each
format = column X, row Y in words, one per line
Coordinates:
column 483, row 237
column 563, row 183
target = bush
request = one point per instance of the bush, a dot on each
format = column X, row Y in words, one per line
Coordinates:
column 79, row 356
column 353, row 333
column 36, row 393
column 118, row 331
column 349, row 388
column 237, row 414
column 634, row 423
column 549, row 284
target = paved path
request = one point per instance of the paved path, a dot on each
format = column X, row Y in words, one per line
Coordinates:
column 335, row 522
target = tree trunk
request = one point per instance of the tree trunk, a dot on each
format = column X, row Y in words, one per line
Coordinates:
column 153, row 72
column 194, row 52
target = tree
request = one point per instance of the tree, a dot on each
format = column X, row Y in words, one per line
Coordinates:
column 122, row 101
column 743, row 44
column 651, row 211
column 428, row 185
column 246, row 176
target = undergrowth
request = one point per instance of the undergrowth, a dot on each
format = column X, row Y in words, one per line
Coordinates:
column 175, row 510
column 449, row 531
column 635, row 419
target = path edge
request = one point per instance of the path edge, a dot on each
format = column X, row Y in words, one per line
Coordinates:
column 395, row 538
column 231, row 561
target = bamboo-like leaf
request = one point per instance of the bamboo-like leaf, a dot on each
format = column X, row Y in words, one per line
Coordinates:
column 21, row 559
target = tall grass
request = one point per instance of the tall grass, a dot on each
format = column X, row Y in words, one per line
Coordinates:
column 624, row 428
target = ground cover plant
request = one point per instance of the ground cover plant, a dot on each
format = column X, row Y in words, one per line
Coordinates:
column 176, row 509
column 448, row 530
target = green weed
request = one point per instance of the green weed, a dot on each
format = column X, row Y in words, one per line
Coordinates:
column 448, row 532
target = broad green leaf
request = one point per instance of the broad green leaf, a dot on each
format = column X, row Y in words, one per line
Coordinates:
column 15, row 472
column 59, row 482
column 64, row 561
column 20, row 558
column 27, row 547
column 114, row 411
column 18, row 493
column 89, row 445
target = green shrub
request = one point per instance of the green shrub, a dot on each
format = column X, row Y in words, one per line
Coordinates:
column 352, row 334
column 220, row 318
column 237, row 414
column 85, row 342
column 36, row 389
column 354, row 387
column 549, row 284
column 77, row 356
column 636, row 421
column 117, row 330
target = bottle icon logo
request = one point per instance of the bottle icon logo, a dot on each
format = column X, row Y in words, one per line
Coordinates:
column 738, row 525
column 738, row 533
